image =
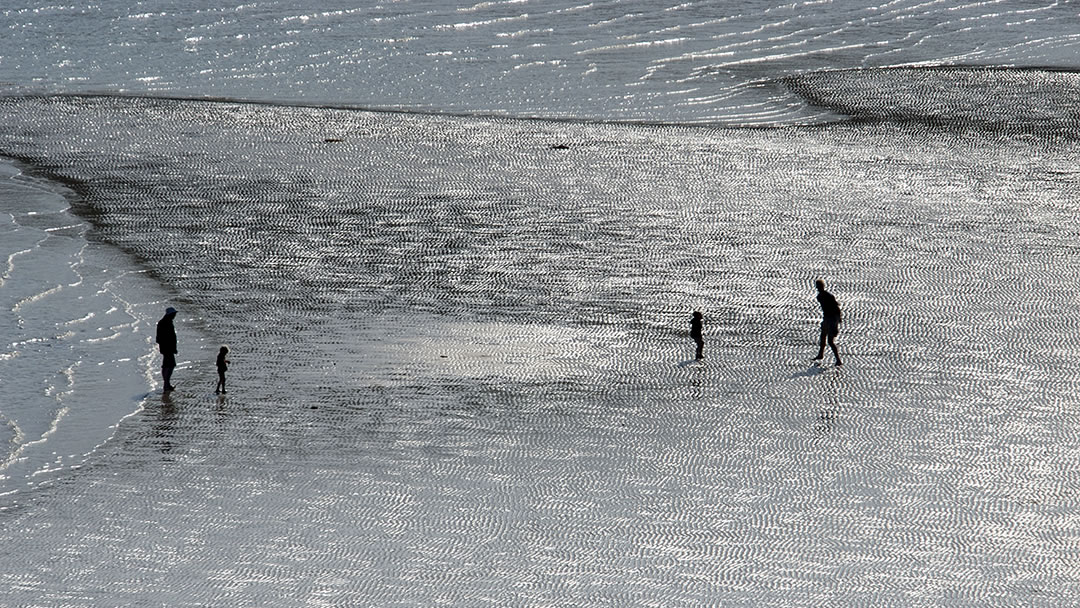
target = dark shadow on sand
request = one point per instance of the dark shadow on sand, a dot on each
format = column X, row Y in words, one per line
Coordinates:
column 690, row 362
column 813, row 370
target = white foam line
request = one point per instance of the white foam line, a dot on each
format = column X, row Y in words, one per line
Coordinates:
column 482, row 23
column 323, row 15
column 633, row 45
column 785, row 56
column 115, row 335
column 81, row 260
column 17, row 439
column 36, row 297
column 483, row 5
column 64, row 227
column 87, row 317
column 129, row 309
column 11, row 261
column 69, row 373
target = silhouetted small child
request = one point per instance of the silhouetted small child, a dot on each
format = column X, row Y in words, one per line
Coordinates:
column 696, row 323
column 222, row 365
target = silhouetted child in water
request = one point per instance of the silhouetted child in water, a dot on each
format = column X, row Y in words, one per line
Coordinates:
column 695, row 333
column 222, row 365
column 830, row 322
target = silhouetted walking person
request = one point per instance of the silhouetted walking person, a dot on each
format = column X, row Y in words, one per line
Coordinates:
column 695, row 333
column 222, row 365
column 166, row 340
column 830, row 322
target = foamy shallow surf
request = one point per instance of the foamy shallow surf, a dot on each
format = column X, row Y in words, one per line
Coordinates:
column 77, row 331
column 461, row 372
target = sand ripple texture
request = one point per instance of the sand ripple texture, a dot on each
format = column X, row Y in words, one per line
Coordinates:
column 461, row 368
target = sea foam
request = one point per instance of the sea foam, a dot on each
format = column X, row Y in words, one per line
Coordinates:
column 75, row 335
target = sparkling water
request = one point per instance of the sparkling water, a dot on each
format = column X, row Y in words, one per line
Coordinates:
column 461, row 371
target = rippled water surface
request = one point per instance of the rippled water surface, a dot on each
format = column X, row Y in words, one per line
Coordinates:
column 461, row 372
column 643, row 60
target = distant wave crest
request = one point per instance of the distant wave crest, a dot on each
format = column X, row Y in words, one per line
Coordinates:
column 999, row 98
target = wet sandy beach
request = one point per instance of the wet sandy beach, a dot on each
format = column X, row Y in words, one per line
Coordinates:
column 461, row 369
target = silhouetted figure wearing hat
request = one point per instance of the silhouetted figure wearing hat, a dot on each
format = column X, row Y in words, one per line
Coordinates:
column 830, row 322
column 696, row 323
column 166, row 340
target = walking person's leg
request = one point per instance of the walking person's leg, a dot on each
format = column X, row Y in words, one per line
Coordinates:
column 821, row 343
column 832, row 345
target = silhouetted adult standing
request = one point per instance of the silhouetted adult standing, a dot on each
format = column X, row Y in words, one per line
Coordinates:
column 696, row 323
column 166, row 340
column 830, row 322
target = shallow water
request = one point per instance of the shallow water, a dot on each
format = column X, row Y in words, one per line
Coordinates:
column 460, row 364
column 75, row 353
column 681, row 61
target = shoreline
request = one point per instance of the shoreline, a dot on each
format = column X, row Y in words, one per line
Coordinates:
column 79, row 332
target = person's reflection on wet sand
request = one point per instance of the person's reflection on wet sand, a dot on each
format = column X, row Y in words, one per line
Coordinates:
column 164, row 428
